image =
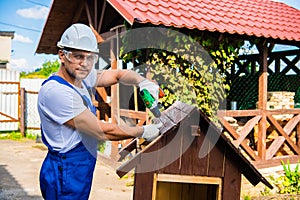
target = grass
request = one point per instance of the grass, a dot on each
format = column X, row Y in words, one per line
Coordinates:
column 15, row 135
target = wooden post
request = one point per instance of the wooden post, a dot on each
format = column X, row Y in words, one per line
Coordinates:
column 115, row 94
column 262, row 99
column 298, row 135
column 22, row 111
column 263, row 78
column 114, row 88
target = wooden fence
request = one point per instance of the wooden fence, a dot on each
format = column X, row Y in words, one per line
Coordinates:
column 18, row 102
column 9, row 100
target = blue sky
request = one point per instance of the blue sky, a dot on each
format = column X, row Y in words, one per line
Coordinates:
column 27, row 18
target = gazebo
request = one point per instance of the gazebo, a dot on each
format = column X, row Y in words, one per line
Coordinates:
column 271, row 23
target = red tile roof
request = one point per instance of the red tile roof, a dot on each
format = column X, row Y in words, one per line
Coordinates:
column 260, row 18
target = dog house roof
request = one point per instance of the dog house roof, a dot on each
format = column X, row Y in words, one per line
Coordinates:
column 171, row 118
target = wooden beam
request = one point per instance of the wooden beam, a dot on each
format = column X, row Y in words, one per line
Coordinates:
column 95, row 13
column 262, row 136
column 115, row 115
column 102, row 16
column 289, row 127
column 128, row 148
column 246, row 130
column 263, row 78
column 10, row 117
column 235, row 135
column 78, row 12
column 275, row 162
column 298, row 135
column 88, row 13
column 133, row 114
column 294, row 111
column 177, row 178
column 239, row 113
column 22, row 107
column 280, row 130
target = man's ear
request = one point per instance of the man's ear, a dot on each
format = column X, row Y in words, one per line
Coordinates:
column 61, row 56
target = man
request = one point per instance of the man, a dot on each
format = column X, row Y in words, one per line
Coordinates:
column 69, row 126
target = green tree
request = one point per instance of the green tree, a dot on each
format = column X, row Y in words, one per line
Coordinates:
column 47, row 68
column 187, row 64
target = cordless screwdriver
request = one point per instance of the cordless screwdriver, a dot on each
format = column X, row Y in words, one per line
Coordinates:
column 150, row 102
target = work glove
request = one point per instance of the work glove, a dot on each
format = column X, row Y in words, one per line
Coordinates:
column 151, row 131
column 151, row 87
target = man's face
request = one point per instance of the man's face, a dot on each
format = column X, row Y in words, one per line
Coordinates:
column 78, row 64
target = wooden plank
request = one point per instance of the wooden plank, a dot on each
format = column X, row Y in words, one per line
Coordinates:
column 246, row 130
column 22, row 116
column 273, row 162
column 9, row 82
column 132, row 145
column 278, row 141
column 130, row 164
column 101, row 17
column 294, row 111
column 238, row 113
column 298, row 135
column 143, row 186
column 280, row 130
column 95, row 13
column 200, row 162
column 144, row 172
column 232, row 179
column 216, row 158
column 291, row 124
column 154, row 189
column 187, row 149
column 274, row 147
column 189, row 179
column 11, row 119
column 134, row 114
column 87, row 10
column 170, row 158
column 235, row 135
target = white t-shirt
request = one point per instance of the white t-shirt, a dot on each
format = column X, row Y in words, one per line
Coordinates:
column 57, row 104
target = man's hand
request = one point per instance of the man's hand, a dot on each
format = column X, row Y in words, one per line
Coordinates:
column 151, row 131
column 151, row 87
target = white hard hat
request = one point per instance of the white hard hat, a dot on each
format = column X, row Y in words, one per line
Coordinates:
column 79, row 36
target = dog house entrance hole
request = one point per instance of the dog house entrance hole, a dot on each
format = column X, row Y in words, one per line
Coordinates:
column 182, row 187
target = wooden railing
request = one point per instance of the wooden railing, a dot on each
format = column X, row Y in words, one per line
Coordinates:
column 247, row 64
column 273, row 139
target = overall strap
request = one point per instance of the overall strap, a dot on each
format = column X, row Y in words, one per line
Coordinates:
column 86, row 101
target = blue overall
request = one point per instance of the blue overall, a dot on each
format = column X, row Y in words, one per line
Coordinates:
column 67, row 176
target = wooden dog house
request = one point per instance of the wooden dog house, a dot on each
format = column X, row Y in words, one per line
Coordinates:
column 191, row 159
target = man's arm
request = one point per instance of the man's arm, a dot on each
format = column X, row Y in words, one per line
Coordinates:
column 110, row 77
column 126, row 77
column 86, row 122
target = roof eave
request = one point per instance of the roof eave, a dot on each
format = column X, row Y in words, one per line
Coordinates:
column 122, row 11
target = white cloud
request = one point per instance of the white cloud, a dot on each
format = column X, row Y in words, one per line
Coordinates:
column 22, row 64
column 36, row 12
column 21, row 38
column 16, row 64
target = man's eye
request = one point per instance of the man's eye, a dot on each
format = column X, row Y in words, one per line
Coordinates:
column 78, row 56
column 90, row 57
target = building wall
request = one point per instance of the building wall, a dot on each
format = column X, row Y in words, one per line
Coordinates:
column 5, row 48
